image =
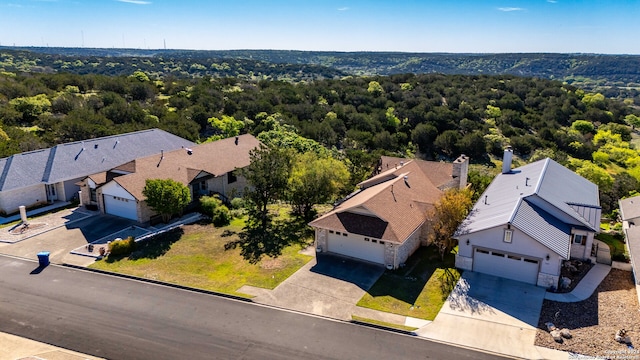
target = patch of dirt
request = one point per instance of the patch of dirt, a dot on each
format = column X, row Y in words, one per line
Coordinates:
column 23, row 230
column 272, row 264
column 594, row 322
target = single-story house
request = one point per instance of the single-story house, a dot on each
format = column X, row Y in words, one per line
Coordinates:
column 386, row 220
column 43, row 176
column 528, row 222
column 206, row 169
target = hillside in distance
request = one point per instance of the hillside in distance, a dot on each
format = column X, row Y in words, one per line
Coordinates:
column 616, row 76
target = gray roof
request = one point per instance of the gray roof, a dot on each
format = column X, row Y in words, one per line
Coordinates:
column 81, row 158
column 544, row 227
column 630, row 208
column 547, row 187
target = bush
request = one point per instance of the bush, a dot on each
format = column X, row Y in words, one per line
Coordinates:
column 620, row 256
column 208, row 204
column 221, row 216
column 237, row 203
column 122, row 246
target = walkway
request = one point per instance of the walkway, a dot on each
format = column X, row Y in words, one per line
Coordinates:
column 585, row 287
column 34, row 212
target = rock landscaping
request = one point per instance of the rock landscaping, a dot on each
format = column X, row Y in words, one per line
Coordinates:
column 594, row 325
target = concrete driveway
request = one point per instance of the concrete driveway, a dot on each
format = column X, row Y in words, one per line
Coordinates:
column 60, row 241
column 327, row 285
column 497, row 314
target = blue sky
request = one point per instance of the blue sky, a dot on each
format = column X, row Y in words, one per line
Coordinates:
column 475, row 26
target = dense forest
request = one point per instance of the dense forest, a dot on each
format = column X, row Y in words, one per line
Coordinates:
column 615, row 76
column 433, row 116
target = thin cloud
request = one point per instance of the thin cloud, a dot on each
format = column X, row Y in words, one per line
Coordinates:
column 136, row 2
column 343, row 9
column 509, row 9
column 552, row 1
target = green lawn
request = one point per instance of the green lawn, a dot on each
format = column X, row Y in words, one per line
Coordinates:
column 616, row 245
column 194, row 256
column 418, row 290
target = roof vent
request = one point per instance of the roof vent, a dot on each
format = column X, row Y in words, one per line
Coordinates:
column 189, row 151
column 95, row 146
column 237, row 139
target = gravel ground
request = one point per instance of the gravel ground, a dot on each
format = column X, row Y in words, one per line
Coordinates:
column 594, row 322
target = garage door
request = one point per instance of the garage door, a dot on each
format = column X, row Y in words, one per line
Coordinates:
column 122, row 207
column 357, row 247
column 510, row 266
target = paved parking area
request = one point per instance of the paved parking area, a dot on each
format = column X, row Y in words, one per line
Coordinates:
column 62, row 240
column 329, row 286
column 497, row 314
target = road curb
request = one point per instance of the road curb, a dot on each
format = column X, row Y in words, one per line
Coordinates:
column 157, row 282
column 382, row 327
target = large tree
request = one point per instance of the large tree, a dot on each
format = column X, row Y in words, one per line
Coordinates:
column 268, row 176
column 167, row 197
column 314, row 181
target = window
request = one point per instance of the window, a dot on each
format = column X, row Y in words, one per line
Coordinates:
column 344, row 234
column 92, row 195
column 374, row 240
column 508, row 235
column 366, row 239
column 513, row 257
column 531, row 261
column 482, row 251
column 231, row 177
column 338, row 233
column 381, row 242
column 497, row 254
column 330, row 231
column 580, row 239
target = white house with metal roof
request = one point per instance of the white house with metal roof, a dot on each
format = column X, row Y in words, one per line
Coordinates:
column 528, row 221
column 47, row 175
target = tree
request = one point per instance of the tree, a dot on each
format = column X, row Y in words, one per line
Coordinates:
column 166, row 196
column 314, row 181
column 225, row 127
column 583, row 126
column 632, row 120
column 375, row 88
column 446, row 218
column 268, row 177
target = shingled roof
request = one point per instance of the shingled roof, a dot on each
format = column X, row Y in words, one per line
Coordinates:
column 184, row 165
column 392, row 204
column 77, row 159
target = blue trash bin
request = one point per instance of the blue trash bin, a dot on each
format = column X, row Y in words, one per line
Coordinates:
column 43, row 258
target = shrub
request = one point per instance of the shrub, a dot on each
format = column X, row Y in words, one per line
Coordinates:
column 208, row 204
column 221, row 216
column 237, row 203
column 122, row 246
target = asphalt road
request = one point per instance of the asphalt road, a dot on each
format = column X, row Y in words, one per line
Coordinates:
column 116, row 318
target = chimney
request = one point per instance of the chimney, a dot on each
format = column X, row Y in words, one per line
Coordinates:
column 506, row 160
column 460, row 171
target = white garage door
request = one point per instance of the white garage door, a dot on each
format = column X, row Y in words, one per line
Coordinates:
column 122, row 207
column 356, row 247
column 506, row 265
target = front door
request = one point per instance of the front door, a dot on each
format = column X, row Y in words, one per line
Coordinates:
column 52, row 195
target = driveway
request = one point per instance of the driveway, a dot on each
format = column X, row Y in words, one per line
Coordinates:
column 497, row 314
column 60, row 241
column 328, row 285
